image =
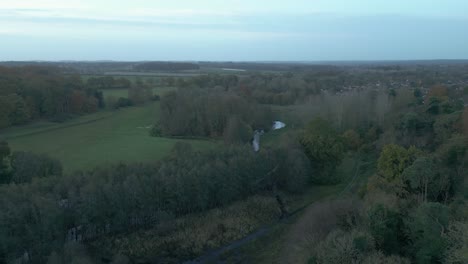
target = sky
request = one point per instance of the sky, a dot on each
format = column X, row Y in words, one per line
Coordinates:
column 233, row 30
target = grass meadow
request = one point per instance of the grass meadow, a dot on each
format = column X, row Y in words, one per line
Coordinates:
column 99, row 138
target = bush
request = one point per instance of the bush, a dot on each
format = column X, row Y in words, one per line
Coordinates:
column 386, row 227
column 425, row 229
column 123, row 102
column 352, row 139
column 60, row 118
column 324, row 149
column 394, row 159
column 457, row 243
column 379, row 258
column 26, row 165
column 344, row 247
column 156, row 130
column 237, row 131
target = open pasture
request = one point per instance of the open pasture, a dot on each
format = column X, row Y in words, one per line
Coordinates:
column 96, row 139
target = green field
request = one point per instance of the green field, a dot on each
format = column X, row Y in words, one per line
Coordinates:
column 124, row 92
column 99, row 138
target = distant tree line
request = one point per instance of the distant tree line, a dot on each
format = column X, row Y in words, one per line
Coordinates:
column 291, row 87
column 138, row 93
column 108, row 82
column 33, row 92
column 166, row 66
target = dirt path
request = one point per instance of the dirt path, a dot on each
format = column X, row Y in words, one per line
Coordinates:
column 312, row 226
column 291, row 242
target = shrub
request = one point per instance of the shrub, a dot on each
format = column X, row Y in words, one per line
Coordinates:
column 156, row 130
column 344, row 247
column 324, row 149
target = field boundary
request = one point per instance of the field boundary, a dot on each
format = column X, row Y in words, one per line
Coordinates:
column 59, row 127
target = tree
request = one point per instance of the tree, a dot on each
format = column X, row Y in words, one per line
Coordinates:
column 27, row 165
column 13, row 110
column 294, row 170
column 181, row 149
column 5, row 109
column 20, row 112
column 324, row 149
column 77, row 101
column 380, row 258
column 352, row 139
column 457, row 243
column 237, row 131
column 5, row 167
column 99, row 95
column 445, row 126
column 433, row 105
column 419, row 176
column 343, row 247
column 452, row 162
column 386, row 227
column 139, row 93
column 412, row 126
column 417, row 93
column 4, row 150
column 120, row 259
column 156, row 130
column 90, row 105
column 426, row 227
column 38, row 91
column 465, row 121
column 394, row 159
column 437, row 91
column 122, row 102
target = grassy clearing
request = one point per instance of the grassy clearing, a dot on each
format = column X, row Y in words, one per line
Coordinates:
column 100, row 138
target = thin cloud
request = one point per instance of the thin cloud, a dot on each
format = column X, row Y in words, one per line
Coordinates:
column 300, row 29
column 42, row 5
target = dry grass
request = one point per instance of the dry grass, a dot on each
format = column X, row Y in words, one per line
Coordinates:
column 190, row 236
column 312, row 227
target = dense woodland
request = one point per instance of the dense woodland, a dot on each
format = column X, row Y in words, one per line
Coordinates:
column 30, row 93
column 409, row 122
column 35, row 92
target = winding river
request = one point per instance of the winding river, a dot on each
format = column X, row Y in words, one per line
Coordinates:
column 257, row 133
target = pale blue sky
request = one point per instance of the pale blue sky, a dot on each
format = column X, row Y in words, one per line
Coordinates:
column 240, row 30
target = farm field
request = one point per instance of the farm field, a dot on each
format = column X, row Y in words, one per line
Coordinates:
column 96, row 139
